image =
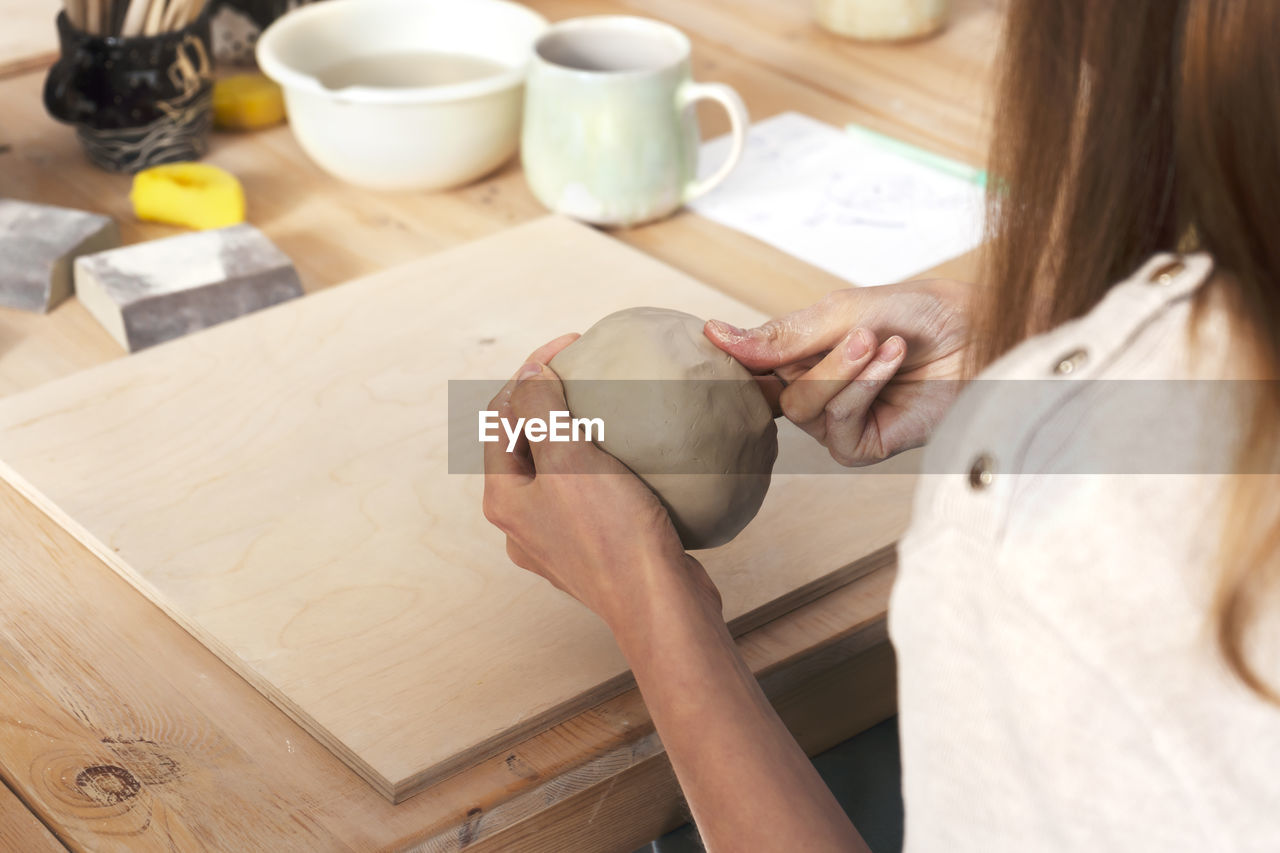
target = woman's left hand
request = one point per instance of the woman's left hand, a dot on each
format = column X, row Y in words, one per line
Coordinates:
column 576, row 515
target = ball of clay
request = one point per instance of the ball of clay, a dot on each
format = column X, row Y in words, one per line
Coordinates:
column 685, row 417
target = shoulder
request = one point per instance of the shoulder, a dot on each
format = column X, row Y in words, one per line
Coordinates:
column 1127, row 389
column 1145, row 327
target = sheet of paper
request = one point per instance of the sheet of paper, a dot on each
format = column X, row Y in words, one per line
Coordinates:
column 844, row 203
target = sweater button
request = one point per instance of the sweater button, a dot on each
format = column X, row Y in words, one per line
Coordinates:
column 1071, row 362
column 982, row 472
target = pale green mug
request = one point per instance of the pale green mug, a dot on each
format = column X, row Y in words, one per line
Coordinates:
column 610, row 130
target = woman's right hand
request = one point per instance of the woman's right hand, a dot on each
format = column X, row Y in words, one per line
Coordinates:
column 868, row 372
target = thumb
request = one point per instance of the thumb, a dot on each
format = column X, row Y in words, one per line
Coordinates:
column 784, row 340
column 538, row 396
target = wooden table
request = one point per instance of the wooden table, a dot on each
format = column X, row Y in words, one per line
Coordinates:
column 118, row 731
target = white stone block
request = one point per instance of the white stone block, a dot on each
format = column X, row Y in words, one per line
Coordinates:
column 38, row 244
column 153, row 292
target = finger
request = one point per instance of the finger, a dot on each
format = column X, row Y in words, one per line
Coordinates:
column 786, row 339
column 498, row 457
column 542, row 354
column 789, row 373
column 909, row 421
column 504, row 394
column 848, row 430
column 500, row 465
column 537, row 394
column 504, row 474
column 806, row 399
column 551, row 349
column 771, row 387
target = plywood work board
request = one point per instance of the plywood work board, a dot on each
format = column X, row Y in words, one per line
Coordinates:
column 279, row 486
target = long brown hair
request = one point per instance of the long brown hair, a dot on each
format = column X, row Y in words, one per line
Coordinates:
column 1129, row 128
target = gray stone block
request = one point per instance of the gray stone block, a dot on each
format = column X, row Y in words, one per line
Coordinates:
column 153, row 292
column 38, row 244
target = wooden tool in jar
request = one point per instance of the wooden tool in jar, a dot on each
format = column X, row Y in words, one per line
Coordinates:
column 133, row 17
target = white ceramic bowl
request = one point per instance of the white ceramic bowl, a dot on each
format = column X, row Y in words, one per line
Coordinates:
column 403, row 138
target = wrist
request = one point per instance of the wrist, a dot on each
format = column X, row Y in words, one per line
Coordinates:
column 669, row 589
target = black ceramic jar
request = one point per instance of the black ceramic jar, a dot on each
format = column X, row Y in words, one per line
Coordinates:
column 135, row 101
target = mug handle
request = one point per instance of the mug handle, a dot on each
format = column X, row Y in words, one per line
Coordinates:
column 739, row 121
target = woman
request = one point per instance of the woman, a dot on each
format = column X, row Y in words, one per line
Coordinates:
column 1086, row 663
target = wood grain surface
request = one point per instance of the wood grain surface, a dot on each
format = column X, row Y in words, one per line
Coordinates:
column 94, row 648
column 336, row 233
column 100, row 677
column 20, row 830
column 282, row 487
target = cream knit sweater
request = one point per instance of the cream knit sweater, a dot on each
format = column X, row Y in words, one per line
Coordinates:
column 1059, row 687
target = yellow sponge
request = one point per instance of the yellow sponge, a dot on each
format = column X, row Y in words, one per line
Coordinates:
column 196, row 195
column 247, row 102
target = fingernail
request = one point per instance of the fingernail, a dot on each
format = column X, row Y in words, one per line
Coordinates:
column 529, row 371
column 727, row 331
column 858, row 345
column 892, row 348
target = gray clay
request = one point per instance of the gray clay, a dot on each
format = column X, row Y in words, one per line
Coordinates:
column 692, row 423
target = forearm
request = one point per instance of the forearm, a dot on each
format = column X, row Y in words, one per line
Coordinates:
column 748, row 783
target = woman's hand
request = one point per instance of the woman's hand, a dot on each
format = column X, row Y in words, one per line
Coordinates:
column 577, row 516
column 868, row 372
